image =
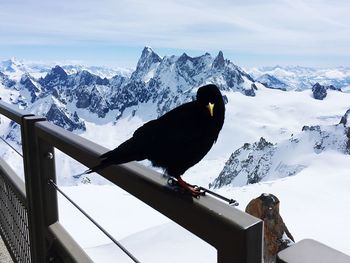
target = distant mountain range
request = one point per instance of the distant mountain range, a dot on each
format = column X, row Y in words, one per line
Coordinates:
column 15, row 68
column 72, row 95
column 166, row 82
column 301, row 78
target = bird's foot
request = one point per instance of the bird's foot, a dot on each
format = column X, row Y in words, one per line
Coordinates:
column 194, row 190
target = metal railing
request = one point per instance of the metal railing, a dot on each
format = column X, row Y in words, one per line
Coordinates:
column 13, row 217
column 236, row 235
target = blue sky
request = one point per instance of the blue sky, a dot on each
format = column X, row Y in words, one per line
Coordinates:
column 113, row 32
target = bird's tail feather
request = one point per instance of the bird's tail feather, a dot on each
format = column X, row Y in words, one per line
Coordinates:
column 122, row 154
column 99, row 167
column 104, row 163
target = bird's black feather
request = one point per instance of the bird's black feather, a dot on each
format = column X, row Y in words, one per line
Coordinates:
column 177, row 140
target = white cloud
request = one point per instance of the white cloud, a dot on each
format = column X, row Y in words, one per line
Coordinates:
column 271, row 27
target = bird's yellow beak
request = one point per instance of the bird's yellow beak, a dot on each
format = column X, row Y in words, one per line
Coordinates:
column 210, row 107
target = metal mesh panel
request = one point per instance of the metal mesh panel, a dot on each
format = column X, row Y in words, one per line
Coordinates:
column 14, row 221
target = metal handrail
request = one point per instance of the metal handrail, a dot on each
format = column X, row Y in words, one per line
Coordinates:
column 12, row 112
column 231, row 231
column 236, row 235
column 13, row 215
column 13, row 179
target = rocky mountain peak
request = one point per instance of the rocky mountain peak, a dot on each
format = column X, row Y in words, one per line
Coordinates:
column 165, row 82
column 183, row 58
column 247, row 164
column 263, row 160
column 58, row 71
column 56, row 76
column 59, row 115
column 190, row 67
column 219, row 61
column 84, row 77
column 147, row 61
column 148, row 57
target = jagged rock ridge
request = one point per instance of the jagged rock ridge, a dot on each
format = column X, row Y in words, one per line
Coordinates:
column 262, row 160
column 166, row 82
column 61, row 117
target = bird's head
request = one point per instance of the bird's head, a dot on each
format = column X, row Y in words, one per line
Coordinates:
column 210, row 97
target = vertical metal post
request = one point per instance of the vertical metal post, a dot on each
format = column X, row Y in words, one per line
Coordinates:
column 246, row 248
column 39, row 167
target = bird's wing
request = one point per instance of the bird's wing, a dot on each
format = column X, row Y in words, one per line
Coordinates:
column 178, row 126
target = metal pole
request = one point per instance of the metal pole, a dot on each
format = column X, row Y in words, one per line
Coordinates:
column 39, row 167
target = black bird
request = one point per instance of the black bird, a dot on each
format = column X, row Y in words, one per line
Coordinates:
column 177, row 140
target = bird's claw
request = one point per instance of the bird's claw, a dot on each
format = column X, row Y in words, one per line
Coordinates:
column 194, row 190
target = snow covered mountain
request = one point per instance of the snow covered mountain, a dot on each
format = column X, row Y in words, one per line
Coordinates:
column 165, row 82
column 264, row 161
column 74, row 98
column 288, row 161
column 15, row 68
column 301, row 78
column 272, row 82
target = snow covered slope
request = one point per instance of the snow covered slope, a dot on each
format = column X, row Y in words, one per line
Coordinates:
column 304, row 150
column 316, row 193
column 264, row 161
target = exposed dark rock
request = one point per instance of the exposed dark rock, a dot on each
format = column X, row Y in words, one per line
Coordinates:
column 225, row 99
column 219, row 61
column 319, row 92
column 85, row 78
column 27, row 83
column 83, row 98
column 98, row 104
column 252, row 160
column 345, row 120
column 233, row 78
column 57, row 77
column 251, row 92
column 147, row 60
column 4, row 80
column 61, row 117
column 14, row 132
column 189, row 67
column 331, row 87
column 117, row 81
